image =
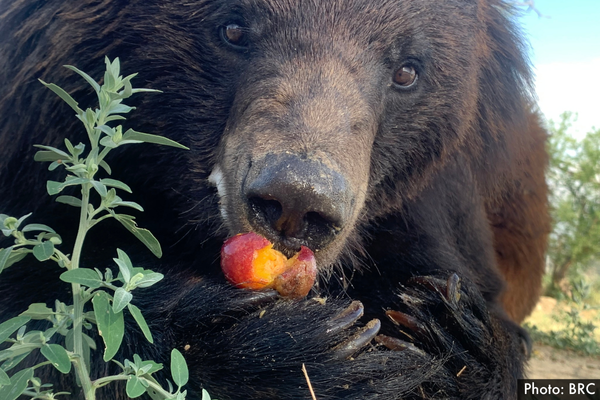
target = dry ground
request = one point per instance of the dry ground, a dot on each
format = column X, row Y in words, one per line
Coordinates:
column 550, row 363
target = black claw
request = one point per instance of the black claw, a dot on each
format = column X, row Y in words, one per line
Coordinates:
column 255, row 299
column 395, row 344
column 450, row 288
column 357, row 341
column 346, row 318
column 405, row 320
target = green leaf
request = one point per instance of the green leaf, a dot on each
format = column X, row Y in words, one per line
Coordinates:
column 37, row 227
column 125, row 270
column 106, row 129
column 43, row 251
column 145, row 367
column 108, row 142
column 121, row 298
column 58, row 356
column 144, row 235
column 63, row 95
column 69, row 200
column 38, row 311
column 4, row 379
column 85, row 76
column 106, row 167
column 29, row 342
column 15, row 256
column 148, row 138
column 142, row 90
column 13, row 362
column 47, row 156
column 83, row 276
column 58, row 152
column 17, row 386
column 149, row 279
column 110, row 325
column 4, row 255
column 115, row 108
column 54, row 187
column 100, row 188
column 117, row 184
column 89, row 341
column 124, row 264
column 20, row 220
column 125, row 258
column 134, row 387
column 205, row 395
column 179, row 369
column 115, row 67
column 69, row 146
column 141, row 321
column 128, row 204
column 9, row 327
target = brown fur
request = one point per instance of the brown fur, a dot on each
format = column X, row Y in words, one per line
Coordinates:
column 521, row 226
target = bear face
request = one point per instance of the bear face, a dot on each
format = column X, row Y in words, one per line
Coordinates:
column 394, row 136
column 363, row 101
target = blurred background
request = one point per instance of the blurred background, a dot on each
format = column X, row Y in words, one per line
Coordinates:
column 565, row 52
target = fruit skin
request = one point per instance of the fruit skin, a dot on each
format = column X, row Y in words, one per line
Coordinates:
column 249, row 261
column 300, row 276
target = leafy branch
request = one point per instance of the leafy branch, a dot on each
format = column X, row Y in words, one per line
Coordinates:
column 108, row 295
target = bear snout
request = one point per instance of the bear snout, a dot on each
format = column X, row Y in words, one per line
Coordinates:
column 295, row 200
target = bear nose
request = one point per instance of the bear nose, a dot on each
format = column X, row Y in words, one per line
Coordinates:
column 296, row 200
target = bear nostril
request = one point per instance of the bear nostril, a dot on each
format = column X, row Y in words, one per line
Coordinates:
column 266, row 211
column 292, row 223
column 321, row 224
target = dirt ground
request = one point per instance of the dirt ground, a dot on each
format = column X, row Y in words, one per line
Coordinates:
column 550, row 363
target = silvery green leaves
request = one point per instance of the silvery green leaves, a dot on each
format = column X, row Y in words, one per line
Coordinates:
column 103, row 138
column 16, row 385
column 42, row 246
column 141, row 381
column 23, row 344
column 134, row 277
column 108, row 309
column 109, row 295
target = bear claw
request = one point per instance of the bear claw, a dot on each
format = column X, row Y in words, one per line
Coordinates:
column 450, row 288
column 346, row 318
column 255, row 299
column 358, row 340
column 395, row 344
column 405, row 320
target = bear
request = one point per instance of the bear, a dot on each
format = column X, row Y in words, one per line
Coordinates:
column 397, row 139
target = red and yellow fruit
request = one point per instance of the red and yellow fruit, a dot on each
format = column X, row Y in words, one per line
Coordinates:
column 249, row 261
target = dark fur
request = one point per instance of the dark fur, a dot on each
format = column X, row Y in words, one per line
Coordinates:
column 455, row 182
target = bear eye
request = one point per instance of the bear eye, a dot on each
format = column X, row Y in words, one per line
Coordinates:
column 233, row 35
column 405, row 77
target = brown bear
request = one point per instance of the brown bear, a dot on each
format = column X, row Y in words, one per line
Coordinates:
column 397, row 139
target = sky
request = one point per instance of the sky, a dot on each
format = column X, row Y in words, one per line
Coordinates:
column 565, row 53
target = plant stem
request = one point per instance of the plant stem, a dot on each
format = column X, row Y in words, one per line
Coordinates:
column 80, row 367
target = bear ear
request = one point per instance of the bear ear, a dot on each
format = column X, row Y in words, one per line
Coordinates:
column 506, row 100
column 506, row 82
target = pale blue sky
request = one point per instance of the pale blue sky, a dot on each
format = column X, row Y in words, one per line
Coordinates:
column 566, row 56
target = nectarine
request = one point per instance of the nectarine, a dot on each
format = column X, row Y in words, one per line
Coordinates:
column 249, row 261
